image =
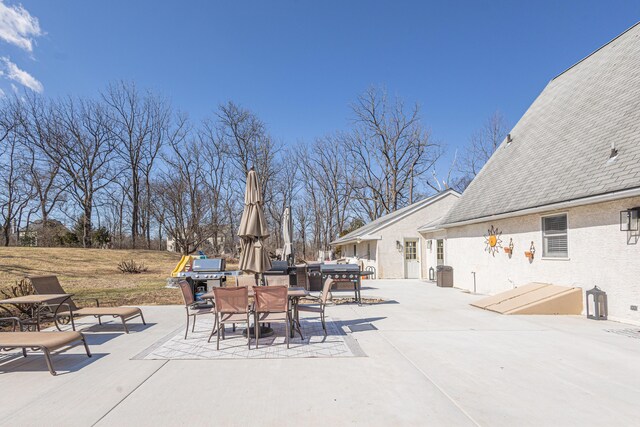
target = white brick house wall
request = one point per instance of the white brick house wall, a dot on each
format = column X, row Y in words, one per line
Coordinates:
column 598, row 255
column 385, row 256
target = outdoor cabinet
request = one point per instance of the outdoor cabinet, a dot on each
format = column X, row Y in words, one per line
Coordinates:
column 444, row 276
column 314, row 277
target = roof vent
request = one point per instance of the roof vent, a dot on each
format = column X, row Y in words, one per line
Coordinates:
column 509, row 139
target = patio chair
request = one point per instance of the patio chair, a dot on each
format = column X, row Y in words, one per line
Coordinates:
column 191, row 308
column 319, row 306
column 44, row 341
column 277, row 280
column 51, row 285
column 271, row 306
column 231, row 306
column 247, row 280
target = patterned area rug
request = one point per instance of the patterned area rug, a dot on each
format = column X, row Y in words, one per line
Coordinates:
column 337, row 343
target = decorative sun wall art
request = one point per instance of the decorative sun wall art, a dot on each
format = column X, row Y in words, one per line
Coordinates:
column 492, row 240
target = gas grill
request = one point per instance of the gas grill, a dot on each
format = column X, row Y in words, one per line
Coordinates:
column 344, row 273
column 207, row 273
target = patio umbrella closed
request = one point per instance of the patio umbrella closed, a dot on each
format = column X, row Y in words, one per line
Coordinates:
column 253, row 229
column 287, row 234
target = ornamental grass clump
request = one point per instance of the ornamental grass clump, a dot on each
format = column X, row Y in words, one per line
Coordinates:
column 131, row 267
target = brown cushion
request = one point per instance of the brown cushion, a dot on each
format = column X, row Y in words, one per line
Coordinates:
column 49, row 340
column 107, row 311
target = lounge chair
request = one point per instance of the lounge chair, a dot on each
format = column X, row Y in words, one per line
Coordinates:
column 271, row 306
column 320, row 304
column 51, row 285
column 192, row 310
column 231, row 306
column 44, row 341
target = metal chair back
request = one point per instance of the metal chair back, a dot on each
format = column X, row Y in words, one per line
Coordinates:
column 271, row 299
column 231, row 300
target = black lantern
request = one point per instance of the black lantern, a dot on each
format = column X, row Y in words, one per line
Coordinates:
column 432, row 274
column 597, row 303
column 629, row 219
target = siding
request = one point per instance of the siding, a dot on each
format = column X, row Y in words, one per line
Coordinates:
column 599, row 254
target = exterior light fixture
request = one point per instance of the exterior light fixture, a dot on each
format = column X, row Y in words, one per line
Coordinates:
column 398, row 245
column 629, row 219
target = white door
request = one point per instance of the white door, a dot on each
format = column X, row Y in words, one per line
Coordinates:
column 411, row 264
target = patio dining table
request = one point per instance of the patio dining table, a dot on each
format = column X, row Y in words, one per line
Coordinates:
column 36, row 305
column 294, row 293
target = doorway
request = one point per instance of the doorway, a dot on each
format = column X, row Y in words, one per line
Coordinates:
column 411, row 263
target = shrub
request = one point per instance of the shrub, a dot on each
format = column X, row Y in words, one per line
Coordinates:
column 131, row 267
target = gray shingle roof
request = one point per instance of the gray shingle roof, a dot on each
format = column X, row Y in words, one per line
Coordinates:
column 386, row 220
column 561, row 145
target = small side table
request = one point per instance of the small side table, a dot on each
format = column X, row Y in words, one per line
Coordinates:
column 36, row 302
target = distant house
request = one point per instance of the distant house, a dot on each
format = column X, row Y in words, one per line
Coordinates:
column 392, row 244
column 564, row 187
column 38, row 233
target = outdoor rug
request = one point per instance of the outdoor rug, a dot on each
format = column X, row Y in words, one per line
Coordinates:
column 337, row 343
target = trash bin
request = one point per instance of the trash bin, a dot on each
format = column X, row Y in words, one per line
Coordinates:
column 444, row 276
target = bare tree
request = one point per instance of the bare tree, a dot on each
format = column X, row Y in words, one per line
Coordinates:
column 35, row 129
column 15, row 187
column 216, row 173
column 481, row 146
column 183, row 196
column 82, row 145
column 392, row 151
column 139, row 124
column 249, row 145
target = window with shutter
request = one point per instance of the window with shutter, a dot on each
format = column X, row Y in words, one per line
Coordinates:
column 554, row 236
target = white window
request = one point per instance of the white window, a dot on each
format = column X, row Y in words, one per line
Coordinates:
column 554, row 236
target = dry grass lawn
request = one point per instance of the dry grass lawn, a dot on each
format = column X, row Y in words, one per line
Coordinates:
column 94, row 272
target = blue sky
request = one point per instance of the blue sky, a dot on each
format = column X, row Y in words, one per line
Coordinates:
column 298, row 64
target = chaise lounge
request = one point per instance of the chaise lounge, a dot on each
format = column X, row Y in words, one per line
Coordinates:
column 51, row 285
column 44, row 341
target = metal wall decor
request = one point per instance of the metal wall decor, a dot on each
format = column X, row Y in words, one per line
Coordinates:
column 509, row 249
column 493, row 241
column 531, row 252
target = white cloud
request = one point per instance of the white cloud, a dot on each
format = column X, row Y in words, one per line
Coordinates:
column 13, row 72
column 18, row 27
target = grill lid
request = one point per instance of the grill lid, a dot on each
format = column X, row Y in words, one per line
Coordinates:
column 208, row 264
column 339, row 268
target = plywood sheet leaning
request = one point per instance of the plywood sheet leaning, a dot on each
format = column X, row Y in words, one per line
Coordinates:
column 535, row 298
column 506, row 295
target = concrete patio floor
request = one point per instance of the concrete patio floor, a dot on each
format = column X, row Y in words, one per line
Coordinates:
column 431, row 360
